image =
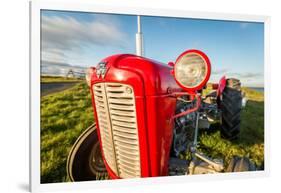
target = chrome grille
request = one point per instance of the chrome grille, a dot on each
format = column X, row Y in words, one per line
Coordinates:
column 104, row 125
column 116, row 111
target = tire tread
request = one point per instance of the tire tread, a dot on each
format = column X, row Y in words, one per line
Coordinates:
column 231, row 106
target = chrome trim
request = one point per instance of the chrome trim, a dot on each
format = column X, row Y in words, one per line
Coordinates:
column 116, row 112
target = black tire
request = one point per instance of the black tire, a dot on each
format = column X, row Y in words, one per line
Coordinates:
column 240, row 164
column 84, row 161
column 231, row 105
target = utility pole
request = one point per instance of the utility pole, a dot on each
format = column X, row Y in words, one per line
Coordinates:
column 139, row 38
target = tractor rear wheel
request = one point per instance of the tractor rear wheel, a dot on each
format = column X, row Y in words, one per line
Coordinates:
column 231, row 105
column 85, row 159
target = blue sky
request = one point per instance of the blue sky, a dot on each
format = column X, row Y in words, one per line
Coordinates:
column 83, row 39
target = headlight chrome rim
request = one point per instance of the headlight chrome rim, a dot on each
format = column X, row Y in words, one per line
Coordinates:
column 200, row 85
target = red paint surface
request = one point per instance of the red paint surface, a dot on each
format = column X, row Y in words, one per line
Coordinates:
column 153, row 85
column 221, row 86
column 154, row 89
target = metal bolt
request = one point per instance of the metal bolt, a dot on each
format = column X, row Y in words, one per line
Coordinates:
column 129, row 90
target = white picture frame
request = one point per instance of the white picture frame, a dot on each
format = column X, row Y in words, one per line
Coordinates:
column 86, row 6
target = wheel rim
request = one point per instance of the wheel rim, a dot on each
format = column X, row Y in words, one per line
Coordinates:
column 83, row 157
column 96, row 162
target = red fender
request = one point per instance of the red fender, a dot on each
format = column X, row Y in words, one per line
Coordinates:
column 221, row 86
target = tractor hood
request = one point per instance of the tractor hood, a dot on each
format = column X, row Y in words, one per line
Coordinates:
column 154, row 77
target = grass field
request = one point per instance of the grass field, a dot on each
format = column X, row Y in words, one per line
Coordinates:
column 66, row 114
column 55, row 79
column 251, row 140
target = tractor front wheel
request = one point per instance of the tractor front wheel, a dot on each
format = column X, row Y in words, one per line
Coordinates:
column 231, row 105
column 85, row 159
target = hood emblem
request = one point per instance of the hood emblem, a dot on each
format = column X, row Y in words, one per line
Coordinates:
column 101, row 69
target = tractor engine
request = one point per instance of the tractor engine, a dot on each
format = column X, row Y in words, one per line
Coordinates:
column 184, row 129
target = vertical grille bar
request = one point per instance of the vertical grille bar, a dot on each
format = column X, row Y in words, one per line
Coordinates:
column 120, row 117
column 104, row 125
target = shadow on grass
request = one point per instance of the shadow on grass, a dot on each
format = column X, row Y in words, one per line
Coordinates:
column 250, row 142
column 55, row 175
column 252, row 124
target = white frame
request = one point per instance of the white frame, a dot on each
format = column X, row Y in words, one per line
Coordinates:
column 86, row 6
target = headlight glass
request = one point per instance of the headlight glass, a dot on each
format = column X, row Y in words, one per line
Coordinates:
column 191, row 70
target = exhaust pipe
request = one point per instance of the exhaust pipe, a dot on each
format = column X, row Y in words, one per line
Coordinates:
column 139, row 38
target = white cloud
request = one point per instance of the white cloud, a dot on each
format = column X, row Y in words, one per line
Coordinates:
column 53, row 54
column 69, row 33
column 57, row 68
column 246, row 78
column 244, row 25
column 63, row 39
column 219, row 71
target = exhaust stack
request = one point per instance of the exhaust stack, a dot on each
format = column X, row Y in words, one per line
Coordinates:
column 139, row 38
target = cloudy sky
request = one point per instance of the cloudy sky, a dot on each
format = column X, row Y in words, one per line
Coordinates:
column 78, row 40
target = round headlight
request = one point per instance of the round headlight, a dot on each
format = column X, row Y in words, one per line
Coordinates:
column 192, row 70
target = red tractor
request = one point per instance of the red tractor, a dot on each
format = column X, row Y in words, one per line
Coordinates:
column 148, row 114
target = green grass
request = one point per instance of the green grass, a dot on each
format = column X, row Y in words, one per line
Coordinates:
column 251, row 140
column 54, row 79
column 64, row 116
